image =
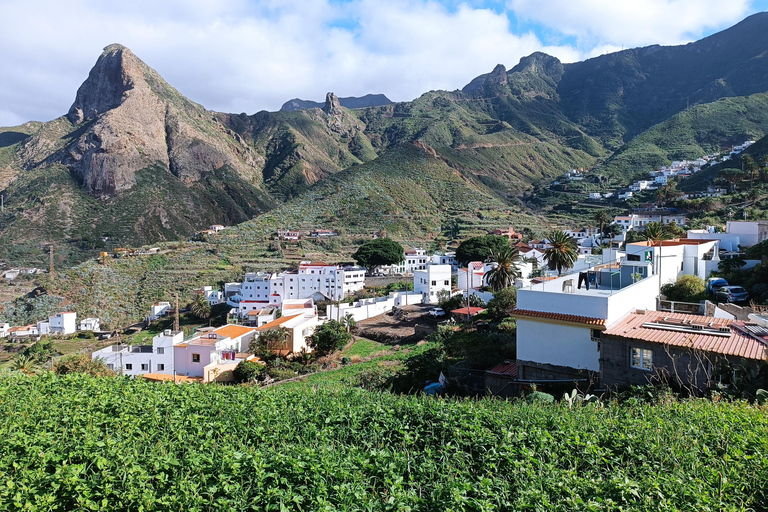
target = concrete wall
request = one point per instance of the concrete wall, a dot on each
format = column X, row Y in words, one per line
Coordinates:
column 640, row 295
column 556, row 344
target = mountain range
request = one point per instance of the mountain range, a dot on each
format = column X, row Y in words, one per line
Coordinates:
column 135, row 161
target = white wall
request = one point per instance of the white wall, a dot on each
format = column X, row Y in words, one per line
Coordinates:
column 568, row 303
column 561, row 345
column 640, row 295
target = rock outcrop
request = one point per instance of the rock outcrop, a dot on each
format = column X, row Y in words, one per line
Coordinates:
column 132, row 119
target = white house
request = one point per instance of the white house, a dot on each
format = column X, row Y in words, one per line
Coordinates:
column 749, row 232
column 4, row 328
column 63, row 323
column 299, row 327
column 473, row 276
column 448, row 258
column 416, row 259
column 559, row 323
column 159, row 309
column 136, row 360
column 212, row 296
column 431, row 281
column 211, row 347
column 726, row 242
column 673, row 258
column 90, row 324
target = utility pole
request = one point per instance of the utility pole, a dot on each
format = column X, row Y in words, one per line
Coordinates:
column 50, row 260
column 176, row 320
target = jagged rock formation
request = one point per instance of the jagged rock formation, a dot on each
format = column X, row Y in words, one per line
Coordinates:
column 351, row 102
column 332, row 106
column 137, row 120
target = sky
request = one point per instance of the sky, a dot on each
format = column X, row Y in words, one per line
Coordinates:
column 251, row 55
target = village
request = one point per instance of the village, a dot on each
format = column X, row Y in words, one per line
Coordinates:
column 601, row 320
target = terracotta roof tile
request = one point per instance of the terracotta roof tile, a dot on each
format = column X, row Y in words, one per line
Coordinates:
column 277, row 322
column 509, row 369
column 738, row 343
column 233, row 331
column 560, row 317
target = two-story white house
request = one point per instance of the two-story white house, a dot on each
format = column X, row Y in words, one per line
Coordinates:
column 211, row 347
column 431, row 281
column 416, row 259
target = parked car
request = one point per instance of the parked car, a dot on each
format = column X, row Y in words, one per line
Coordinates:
column 437, row 312
column 732, row 294
column 714, row 284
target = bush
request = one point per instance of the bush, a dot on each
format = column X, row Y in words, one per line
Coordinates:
column 328, row 338
column 246, row 371
column 687, row 288
column 82, row 364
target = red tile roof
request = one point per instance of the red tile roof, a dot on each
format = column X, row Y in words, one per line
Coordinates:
column 277, row 322
column 463, row 311
column 738, row 343
column 233, row 331
column 507, row 369
column 560, row 317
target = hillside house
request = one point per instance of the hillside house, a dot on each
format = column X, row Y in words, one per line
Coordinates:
column 63, row 323
column 4, row 329
column 211, row 347
column 508, row 233
column 320, row 233
column 448, row 258
column 213, row 297
column 158, row 310
column 299, row 327
column 559, row 319
column 671, row 259
column 685, row 350
column 472, row 277
column 415, row 259
column 216, row 228
column 90, row 324
column 136, row 360
column 431, row 281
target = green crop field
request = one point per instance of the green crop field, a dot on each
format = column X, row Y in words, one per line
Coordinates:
column 82, row 443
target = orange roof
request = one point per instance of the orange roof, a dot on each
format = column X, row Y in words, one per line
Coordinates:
column 233, row 331
column 560, row 317
column 277, row 322
column 306, row 305
column 737, row 343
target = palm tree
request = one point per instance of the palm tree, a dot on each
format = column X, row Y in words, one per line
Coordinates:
column 563, row 253
column 200, row 307
column 655, row 231
column 349, row 322
column 506, row 271
column 23, row 364
column 602, row 218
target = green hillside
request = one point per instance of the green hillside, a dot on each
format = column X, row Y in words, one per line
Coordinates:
column 76, row 442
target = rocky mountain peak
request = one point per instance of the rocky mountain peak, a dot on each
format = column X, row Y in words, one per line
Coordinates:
column 117, row 71
column 540, row 63
column 332, row 105
column 498, row 76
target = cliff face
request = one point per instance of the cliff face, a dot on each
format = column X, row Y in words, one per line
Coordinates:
column 132, row 119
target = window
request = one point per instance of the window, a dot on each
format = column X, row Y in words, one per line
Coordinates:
column 129, row 366
column 641, row 358
column 111, row 366
column 144, row 367
column 434, row 283
column 195, row 358
column 446, row 283
column 160, row 351
column 160, row 367
column 594, row 334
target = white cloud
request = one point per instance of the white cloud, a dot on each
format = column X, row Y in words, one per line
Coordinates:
column 631, row 23
column 248, row 55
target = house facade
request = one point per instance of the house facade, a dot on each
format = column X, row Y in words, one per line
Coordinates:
column 431, row 281
column 211, row 347
column 136, row 360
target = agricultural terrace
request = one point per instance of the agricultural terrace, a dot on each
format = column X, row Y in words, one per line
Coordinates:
column 77, row 443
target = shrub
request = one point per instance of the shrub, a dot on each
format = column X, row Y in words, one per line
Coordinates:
column 328, row 338
column 503, row 301
column 82, row 363
column 687, row 288
column 246, row 371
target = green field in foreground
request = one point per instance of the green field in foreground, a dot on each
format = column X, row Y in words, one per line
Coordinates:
column 83, row 443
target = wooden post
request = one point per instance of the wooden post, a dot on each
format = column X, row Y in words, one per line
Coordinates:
column 176, row 320
column 50, row 261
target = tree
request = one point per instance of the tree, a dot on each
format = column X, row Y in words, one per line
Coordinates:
column 349, row 322
column 480, row 248
column 687, row 288
column 328, row 338
column 270, row 341
column 563, row 253
column 602, row 218
column 502, row 303
column 381, row 251
column 655, row 231
column 200, row 307
column 506, row 271
column 749, row 164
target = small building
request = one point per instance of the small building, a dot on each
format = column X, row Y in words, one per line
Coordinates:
column 465, row 313
column 4, row 329
column 501, row 380
column 216, row 227
column 158, row 309
column 683, row 350
column 63, row 323
column 415, row 259
column 322, row 233
column 431, row 281
column 299, row 327
column 749, row 232
column 211, row 347
column 508, row 233
column 90, row 324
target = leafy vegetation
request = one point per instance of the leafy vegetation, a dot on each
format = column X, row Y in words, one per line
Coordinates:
column 480, row 248
column 686, row 288
column 78, row 442
column 381, row 251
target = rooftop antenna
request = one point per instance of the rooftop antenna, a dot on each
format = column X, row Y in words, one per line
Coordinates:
column 176, row 319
